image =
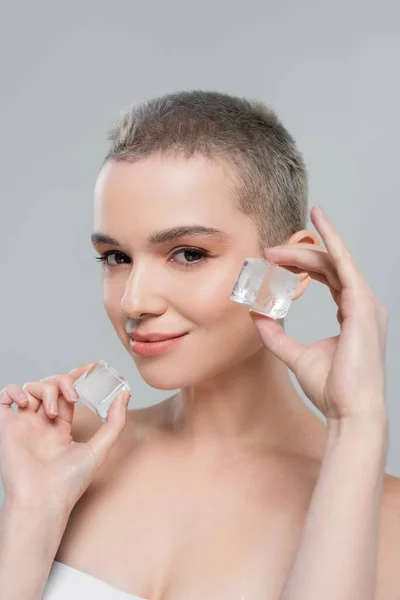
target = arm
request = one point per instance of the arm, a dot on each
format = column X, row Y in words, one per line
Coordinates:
column 337, row 555
column 29, row 540
column 44, row 472
column 344, row 376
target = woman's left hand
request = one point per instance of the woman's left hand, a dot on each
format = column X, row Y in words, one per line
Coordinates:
column 343, row 376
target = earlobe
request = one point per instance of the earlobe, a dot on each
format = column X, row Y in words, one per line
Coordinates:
column 304, row 282
column 308, row 238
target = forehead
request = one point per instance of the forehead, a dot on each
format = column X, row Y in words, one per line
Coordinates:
column 163, row 191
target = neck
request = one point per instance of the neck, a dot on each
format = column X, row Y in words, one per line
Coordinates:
column 254, row 402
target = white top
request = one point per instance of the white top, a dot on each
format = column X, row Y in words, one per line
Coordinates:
column 65, row 582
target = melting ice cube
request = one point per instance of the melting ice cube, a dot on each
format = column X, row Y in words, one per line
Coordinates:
column 265, row 287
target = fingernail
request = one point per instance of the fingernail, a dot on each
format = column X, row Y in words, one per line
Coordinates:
column 53, row 409
column 90, row 369
column 23, row 397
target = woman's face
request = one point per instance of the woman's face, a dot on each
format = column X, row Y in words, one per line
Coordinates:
column 177, row 285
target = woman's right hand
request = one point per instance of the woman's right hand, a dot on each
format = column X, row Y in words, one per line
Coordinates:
column 41, row 466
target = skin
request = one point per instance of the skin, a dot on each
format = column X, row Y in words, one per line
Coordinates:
column 207, row 493
column 232, row 389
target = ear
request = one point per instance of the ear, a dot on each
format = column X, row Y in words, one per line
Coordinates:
column 303, row 237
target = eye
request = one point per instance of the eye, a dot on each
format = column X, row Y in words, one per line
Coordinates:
column 194, row 256
column 104, row 258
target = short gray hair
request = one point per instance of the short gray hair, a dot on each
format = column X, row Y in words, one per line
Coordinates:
column 270, row 176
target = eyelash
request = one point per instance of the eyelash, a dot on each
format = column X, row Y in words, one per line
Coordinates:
column 204, row 255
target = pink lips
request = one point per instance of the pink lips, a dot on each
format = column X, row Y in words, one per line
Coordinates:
column 154, row 343
column 154, row 337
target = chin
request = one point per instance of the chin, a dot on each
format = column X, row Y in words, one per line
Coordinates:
column 160, row 380
column 182, row 368
column 170, row 373
column 179, row 374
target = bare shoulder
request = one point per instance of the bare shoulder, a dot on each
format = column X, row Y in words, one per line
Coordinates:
column 125, row 452
column 389, row 544
column 391, row 507
column 109, row 484
column 391, row 503
column 391, row 488
column 84, row 423
column 140, row 422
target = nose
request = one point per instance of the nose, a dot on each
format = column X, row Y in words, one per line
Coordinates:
column 143, row 295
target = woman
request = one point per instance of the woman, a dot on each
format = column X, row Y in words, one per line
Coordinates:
column 231, row 488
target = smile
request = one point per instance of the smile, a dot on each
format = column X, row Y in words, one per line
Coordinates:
column 154, row 348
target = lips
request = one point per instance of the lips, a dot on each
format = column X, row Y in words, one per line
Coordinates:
column 153, row 348
column 155, row 337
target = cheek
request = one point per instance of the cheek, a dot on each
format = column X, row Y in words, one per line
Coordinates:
column 212, row 311
column 112, row 292
column 230, row 321
column 206, row 299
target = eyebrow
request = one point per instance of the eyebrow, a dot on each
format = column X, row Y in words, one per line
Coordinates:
column 165, row 235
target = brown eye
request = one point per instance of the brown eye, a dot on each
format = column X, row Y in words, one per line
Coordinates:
column 119, row 257
column 192, row 256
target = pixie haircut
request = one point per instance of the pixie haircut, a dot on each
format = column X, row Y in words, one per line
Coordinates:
column 269, row 178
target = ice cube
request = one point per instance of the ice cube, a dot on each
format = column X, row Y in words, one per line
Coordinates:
column 99, row 386
column 265, row 287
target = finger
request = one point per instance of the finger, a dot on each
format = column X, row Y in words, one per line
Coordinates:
column 67, row 393
column 278, row 341
column 310, row 260
column 65, row 383
column 13, row 393
column 78, row 371
column 44, row 397
column 55, row 395
column 317, row 277
column 107, row 434
column 64, row 409
column 348, row 272
column 322, row 279
column 67, row 396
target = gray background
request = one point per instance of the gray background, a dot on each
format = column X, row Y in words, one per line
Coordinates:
column 330, row 70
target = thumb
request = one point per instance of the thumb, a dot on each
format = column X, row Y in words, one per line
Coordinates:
column 278, row 342
column 107, row 434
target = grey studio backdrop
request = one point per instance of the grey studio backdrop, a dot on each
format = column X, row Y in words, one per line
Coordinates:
column 330, row 70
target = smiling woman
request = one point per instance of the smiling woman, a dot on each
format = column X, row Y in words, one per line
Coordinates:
column 223, row 490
